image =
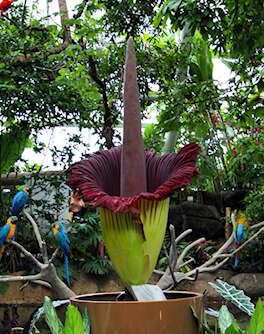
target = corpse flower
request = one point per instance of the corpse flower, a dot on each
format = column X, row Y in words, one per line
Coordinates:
column 131, row 187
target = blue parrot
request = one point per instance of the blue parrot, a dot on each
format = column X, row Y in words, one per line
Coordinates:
column 7, row 232
column 20, row 200
column 64, row 243
column 241, row 228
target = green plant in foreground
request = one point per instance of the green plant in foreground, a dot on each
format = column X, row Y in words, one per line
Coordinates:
column 74, row 322
column 227, row 323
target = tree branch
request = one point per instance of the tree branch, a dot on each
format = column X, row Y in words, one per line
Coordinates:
column 167, row 281
column 10, row 20
column 36, row 231
column 81, row 9
column 186, row 250
column 20, row 278
column 27, row 253
column 64, row 15
column 107, row 131
column 54, row 255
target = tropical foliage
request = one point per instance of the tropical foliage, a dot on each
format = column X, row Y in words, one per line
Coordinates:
column 226, row 322
column 57, row 70
column 72, row 75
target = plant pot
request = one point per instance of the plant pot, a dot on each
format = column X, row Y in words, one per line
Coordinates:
column 114, row 313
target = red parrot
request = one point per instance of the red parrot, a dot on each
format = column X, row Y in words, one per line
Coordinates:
column 5, row 5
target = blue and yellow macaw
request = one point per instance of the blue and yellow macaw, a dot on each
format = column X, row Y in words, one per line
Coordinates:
column 64, row 243
column 20, row 200
column 241, row 228
column 8, row 231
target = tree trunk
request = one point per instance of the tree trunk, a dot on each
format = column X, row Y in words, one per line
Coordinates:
column 64, row 15
column 182, row 73
column 61, row 289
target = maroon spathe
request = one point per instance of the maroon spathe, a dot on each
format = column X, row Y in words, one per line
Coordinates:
column 97, row 178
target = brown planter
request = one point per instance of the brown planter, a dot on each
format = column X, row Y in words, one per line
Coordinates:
column 111, row 316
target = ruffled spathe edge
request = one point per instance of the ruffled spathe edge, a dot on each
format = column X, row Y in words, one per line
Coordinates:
column 97, row 179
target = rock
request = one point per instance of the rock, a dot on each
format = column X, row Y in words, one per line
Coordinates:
column 201, row 284
column 233, row 199
column 200, row 218
column 251, row 284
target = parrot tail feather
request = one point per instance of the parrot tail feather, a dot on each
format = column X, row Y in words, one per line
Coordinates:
column 236, row 258
column 67, row 270
column 2, row 251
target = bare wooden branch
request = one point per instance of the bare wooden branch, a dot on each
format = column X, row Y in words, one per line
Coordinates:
column 256, row 225
column 20, row 278
column 159, row 272
column 242, row 245
column 27, row 253
column 167, row 281
column 47, row 275
column 213, row 259
column 45, row 253
column 173, row 250
column 39, row 282
column 171, row 268
column 186, row 262
column 18, row 178
column 54, row 255
column 183, row 235
column 186, row 250
column 43, row 283
column 36, row 231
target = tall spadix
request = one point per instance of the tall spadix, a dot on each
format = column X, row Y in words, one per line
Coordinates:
column 133, row 169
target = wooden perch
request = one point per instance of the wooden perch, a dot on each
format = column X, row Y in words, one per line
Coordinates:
column 47, row 275
column 19, row 178
column 168, row 280
column 36, row 231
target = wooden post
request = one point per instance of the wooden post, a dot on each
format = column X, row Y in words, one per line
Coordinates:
column 227, row 223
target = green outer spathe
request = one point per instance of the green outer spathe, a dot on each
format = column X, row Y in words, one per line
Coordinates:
column 134, row 258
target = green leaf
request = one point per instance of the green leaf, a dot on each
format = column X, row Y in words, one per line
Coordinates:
column 3, row 288
column 86, row 322
column 51, row 317
column 41, row 310
column 200, row 324
column 13, row 144
column 227, row 321
column 237, row 297
column 256, row 324
column 74, row 322
column 234, row 329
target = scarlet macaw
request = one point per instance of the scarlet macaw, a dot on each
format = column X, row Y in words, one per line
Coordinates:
column 241, row 231
column 20, row 200
column 64, row 243
column 5, row 5
column 8, row 231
